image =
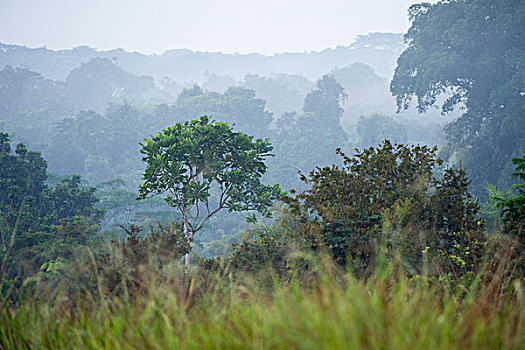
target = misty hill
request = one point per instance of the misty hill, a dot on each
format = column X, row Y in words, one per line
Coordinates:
column 379, row 50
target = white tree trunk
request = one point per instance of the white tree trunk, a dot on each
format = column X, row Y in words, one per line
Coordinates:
column 188, row 236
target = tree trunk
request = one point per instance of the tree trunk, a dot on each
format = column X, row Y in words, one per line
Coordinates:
column 189, row 236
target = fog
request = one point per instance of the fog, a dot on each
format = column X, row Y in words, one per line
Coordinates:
column 86, row 85
column 227, row 26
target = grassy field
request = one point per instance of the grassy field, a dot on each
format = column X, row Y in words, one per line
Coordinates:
column 337, row 311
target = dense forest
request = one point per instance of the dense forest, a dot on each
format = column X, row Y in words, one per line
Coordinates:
column 367, row 196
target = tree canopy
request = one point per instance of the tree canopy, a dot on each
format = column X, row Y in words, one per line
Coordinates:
column 39, row 223
column 352, row 210
column 236, row 105
column 307, row 140
column 205, row 166
column 472, row 52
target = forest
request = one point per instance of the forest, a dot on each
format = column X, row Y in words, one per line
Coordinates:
column 368, row 196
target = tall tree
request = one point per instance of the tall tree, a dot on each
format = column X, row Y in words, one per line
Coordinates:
column 22, row 186
column 473, row 52
column 325, row 103
column 193, row 160
column 22, row 89
column 307, row 140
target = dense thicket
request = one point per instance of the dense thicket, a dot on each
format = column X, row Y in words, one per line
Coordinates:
column 39, row 223
column 393, row 196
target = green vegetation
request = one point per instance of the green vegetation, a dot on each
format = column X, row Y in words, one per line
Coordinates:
column 339, row 313
column 472, row 52
column 188, row 161
column 393, row 245
column 383, row 252
column 38, row 223
column 393, row 187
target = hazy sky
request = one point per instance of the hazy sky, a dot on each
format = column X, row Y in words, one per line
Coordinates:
column 152, row 26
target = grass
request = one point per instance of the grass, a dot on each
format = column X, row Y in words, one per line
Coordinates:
column 337, row 312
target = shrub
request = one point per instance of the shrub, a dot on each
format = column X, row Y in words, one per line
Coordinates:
column 345, row 210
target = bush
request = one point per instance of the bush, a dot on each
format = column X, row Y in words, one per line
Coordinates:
column 124, row 267
column 345, row 210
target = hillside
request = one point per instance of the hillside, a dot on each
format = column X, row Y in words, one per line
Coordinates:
column 379, row 50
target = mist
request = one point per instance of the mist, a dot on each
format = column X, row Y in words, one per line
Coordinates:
column 220, row 26
column 262, row 167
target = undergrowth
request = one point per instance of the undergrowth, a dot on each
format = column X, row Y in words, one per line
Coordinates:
column 201, row 309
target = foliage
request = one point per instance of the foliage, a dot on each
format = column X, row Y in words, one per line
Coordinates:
column 191, row 160
column 376, row 128
column 513, row 207
column 260, row 255
column 33, row 250
column 22, row 89
column 100, row 81
column 184, row 311
column 283, row 93
column 72, row 199
column 40, row 223
column 101, row 147
column 268, row 254
column 345, row 208
column 363, row 86
column 237, row 106
column 123, row 266
column 325, row 104
column 306, row 140
column 22, row 177
column 217, row 83
column 122, row 208
column 491, row 211
column 473, row 53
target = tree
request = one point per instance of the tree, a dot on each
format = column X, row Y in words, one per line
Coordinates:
column 374, row 129
column 99, row 81
column 100, row 147
column 22, row 177
column 217, row 83
column 22, row 188
column 23, row 89
column 363, row 86
column 282, row 92
column 38, row 223
column 306, row 140
column 346, row 207
column 473, row 52
column 71, row 199
column 205, row 166
column 325, row 104
column 236, row 105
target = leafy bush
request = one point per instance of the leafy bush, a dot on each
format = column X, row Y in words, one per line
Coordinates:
column 124, row 267
column 345, row 210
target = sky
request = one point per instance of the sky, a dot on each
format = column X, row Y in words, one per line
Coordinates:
column 243, row 26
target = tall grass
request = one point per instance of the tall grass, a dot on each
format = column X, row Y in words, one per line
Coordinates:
column 190, row 311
